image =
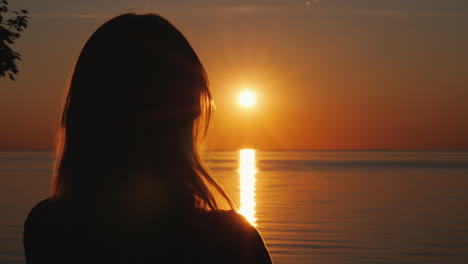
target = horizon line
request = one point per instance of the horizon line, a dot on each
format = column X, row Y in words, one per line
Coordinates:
column 293, row 149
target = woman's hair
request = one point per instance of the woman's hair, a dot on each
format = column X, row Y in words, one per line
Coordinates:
column 136, row 104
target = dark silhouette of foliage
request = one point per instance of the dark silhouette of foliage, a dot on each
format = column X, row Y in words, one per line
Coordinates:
column 10, row 31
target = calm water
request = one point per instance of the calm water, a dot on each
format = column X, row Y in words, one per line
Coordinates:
column 310, row 206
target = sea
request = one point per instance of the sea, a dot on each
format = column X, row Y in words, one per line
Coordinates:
column 310, row 206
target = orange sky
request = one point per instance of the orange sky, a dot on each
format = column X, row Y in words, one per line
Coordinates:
column 329, row 75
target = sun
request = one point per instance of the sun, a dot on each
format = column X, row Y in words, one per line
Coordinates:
column 247, row 99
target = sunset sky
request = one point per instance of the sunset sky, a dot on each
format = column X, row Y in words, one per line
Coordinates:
column 327, row 74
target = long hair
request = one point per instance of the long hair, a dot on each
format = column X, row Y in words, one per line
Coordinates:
column 137, row 102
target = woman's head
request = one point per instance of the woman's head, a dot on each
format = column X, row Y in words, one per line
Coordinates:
column 134, row 105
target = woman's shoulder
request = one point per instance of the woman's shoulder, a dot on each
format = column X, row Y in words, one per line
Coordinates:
column 234, row 225
column 234, row 229
column 44, row 210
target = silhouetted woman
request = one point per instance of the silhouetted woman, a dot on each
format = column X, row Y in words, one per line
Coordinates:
column 129, row 184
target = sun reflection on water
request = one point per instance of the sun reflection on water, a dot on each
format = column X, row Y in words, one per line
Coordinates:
column 247, row 171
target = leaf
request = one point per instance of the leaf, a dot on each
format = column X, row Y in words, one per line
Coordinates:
column 10, row 31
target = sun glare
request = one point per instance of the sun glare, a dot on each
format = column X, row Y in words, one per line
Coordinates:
column 247, row 171
column 247, row 99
